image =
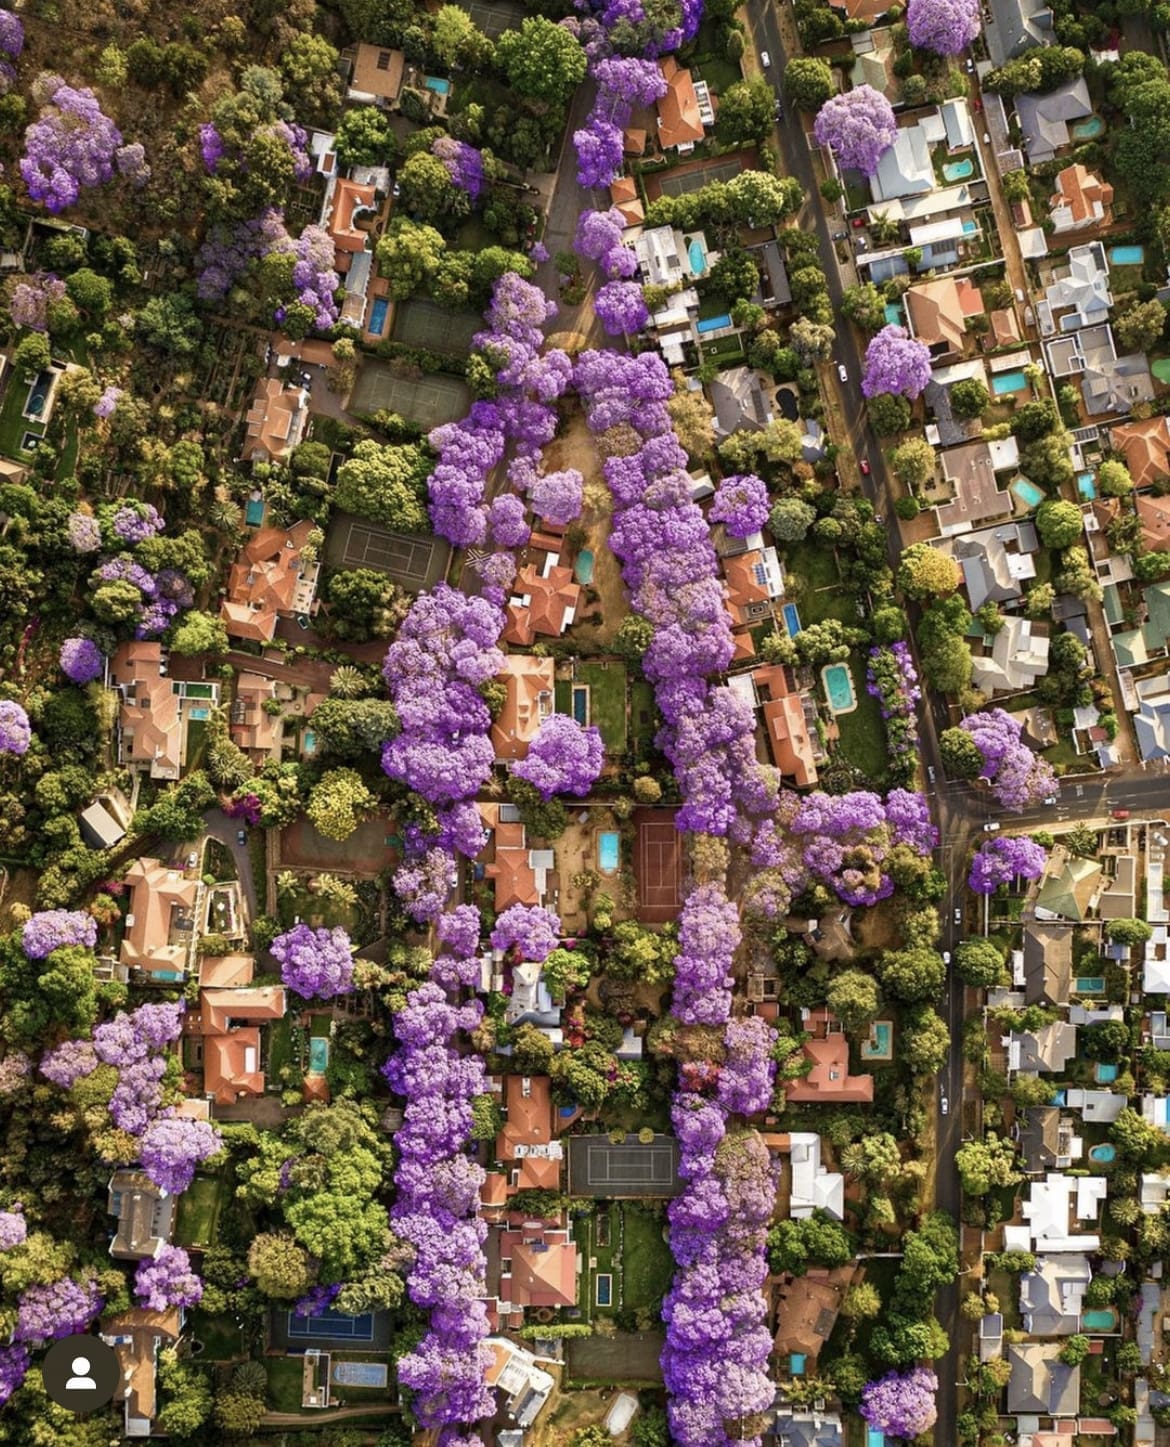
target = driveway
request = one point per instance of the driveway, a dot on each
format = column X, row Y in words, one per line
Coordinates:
column 220, row 827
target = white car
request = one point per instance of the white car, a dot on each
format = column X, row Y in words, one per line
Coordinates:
column 841, row 372
column 765, row 60
column 991, row 827
column 946, row 957
column 958, row 914
column 192, row 860
column 944, row 1106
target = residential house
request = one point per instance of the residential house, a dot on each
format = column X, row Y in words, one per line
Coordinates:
column 1045, row 1051
column 623, row 194
column 997, row 561
column 1145, row 447
column 270, row 580
column 806, row 1310
column 1150, row 640
column 1097, row 1107
column 136, row 1336
column 160, row 925
column 1047, row 1139
column 227, row 1024
column 257, row 730
column 1005, row 327
column 1078, row 295
column 802, row 1426
column 937, row 312
column 1070, row 887
column 545, row 597
column 1081, row 199
column 972, row 472
column 377, row 75
column 906, row 167
column 145, row 1216
column 529, row 684
column 1017, row 658
column 227, row 972
column 1109, row 383
column 1040, row 1382
column 1118, row 895
column 812, row 1186
column 1151, row 722
column 789, row 720
column 520, row 873
column 1048, row 964
column 665, row 258
column 829, row 1079
column 150, row 719
column 99, row 828
column 538, row 1268
column 683, row 110
column 353, row 255
column 752, row 581
column 523, row 1386
column 1154, row 515
column 1044, row 118
column 275, row 422
column 739, row 401
column 527, row 1146
column 952, row 430
column 1054, row 1211
column 1016, row 26
column 1052, row 1295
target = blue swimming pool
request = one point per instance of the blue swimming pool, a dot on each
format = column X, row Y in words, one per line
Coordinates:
column 168, row 975
column 1102, row 1319
column 581, row 704
column 1086, row 486
column 796, row 1363
column 875, row 1437
column 378, row 311
column 584, row 567
column 791, row 619
column 1007, row 382
column 1127, row 255
column 712, row 324
column 958, row 170
column 1087, row 129
column 1102, row 1155
column 1106, row 1074
column 1090, row 984
column 838, row 683
column 604, row 1289
column 437, row 84
column 697, row 254
column 318, row 1054
column 254, row 512
column 970, row 227
column 609, row 851
column 880, row 1045
column 1028, row 493
column 359, row 1374
column 310, row 742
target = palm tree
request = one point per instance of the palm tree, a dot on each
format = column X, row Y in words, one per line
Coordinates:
column 348, row 681
column 225, row 514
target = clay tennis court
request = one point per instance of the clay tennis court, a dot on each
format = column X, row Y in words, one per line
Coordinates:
column 658, row 864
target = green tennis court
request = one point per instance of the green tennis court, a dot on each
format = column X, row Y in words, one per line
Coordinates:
column 429, row 401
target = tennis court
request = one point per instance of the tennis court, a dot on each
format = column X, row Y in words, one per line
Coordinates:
column 599, row 1168
column 412, row 560
column 359, row 1374
column 658, row 868
column 493, row 20
column 423, row 324
column 679, row 185
column 429, row 401
column 331, row 1324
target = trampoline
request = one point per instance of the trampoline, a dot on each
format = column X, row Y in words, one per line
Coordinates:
column 331, row 1324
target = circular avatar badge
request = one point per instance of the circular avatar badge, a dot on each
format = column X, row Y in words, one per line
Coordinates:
column 81, row 1373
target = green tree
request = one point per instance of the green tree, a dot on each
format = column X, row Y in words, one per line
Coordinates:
column 926, row 1041
column 177, row 813
column 409, row 255
column 428, row 190
column 1048, row 461
column 1035, row 420
column 169, row 324
column 1139, row 328
column 198, row 632
column 790, row 519
column 986, row 1164
column 186, row 1395
column 889, row 414
column 354, row 729
column 925, row 572
column 862, row 1302
column 809, row 82
column 541, row 60
column 853, row 997
column 979, row 962
column 913, row 461
column 238, row 1412
column 794, row 1246
column 862, row 304
column 969, row 398
column 338, row 803
column 364, row 138
column 911, row 975
column 1113, row 477
column 734, row 275
column 90, row 293
column 745, row 111
column 280, row 1266
column 31, row 356
column 1128, row 931
column 387, row 484
column 456, row 40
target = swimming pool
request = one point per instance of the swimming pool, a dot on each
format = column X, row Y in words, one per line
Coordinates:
column 875, row 1437
column 1127, row 255
column 584, row 567
column 1090, row 984
column 1102, row 1154
column 437, row 84
column 1100, row 1319
column 791, row 619
column 880, row 1043
column 958, row 170
column 1106, row 1074
column 581, row 704
column 1088, row 128
column 796, row 1363
column 359, row 1374
column 378, row 312
column 169, row 975
column 310, row 742
column 1028, row 493
column 712, row 324
column 604, row 1289
column 254, row 512
column 1007, row 382
column 609, row 851
column 838, row 683
column 697, row 254
column 1086, row 486
column 970, row 227
column 318, row 1054
column 894, row 314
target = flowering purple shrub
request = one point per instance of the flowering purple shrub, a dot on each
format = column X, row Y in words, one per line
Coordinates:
column 892, row 679
column 107, row 404
column 316, row 963
column 83, row 532
column 15, row 731
column 136, row 522
column 944, row 26
column 508, row 521
column 620, row 309
column 211, row 147
column 13, row 1229
column 32, row 298
column 749, row 1072
column 229, row 250
column 464, row 164
column 1017, row 776
column 895, row 362
column 172, row 1146
column 317, row 1300
column 1000, row 860
column 52, row 929
column 14, row 1362
column 11, row 34
column 167, row 1280
column 901, row 1405
column 741, row 504
column 313, row 277
column 423, row 886
column 858, row 127
column 70, row 145
column 81, row 660
column 557, row 496
column 532, row 929
column 45, row 1313
column 563, row 758
column 69, row 1062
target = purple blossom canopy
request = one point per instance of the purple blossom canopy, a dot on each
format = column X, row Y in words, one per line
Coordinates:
column 83, row 532
column 858, row 127
column 1002, row 859
column 620, row 309
column 741, row 504
column 52, row 929
column 69, row 1063
column 45, row 1313
column 532, row 929
column 423, row 886
column 557, row 496
column 11, row 34
column 13, row 1229
column 167, row 1280
column 945, row 26
column 901, row 1405
column 14, row 1361
column 315, row 963
column 563, row 758
column 508, row 521
column 895, row 362
column 748, row 1072
column 172, row 1146
column 70, row 145
column 81, row 660
column 1017, row 776
column 136, row 522
column 464, row 164
column 708, row 937
column 107, row 404
column 32, row 297
column 15, row 731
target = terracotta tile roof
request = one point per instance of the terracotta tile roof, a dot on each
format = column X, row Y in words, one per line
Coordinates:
column 231, row 1052
column 348, row 198
column 156, row 892
column 275, row 421
column 938, row 310
column 1154, row 514
column 679, row 121
column 829, row 1078
column 529, row 1122
column 544, row 1270
column 1005, row 326
column 742, row 586
column 1146, row 448
column 1080, row 199
column 226, row 971
column 552, row 605
column 624, row 195
column 789, row 741
column 807, row 1308
column 265, row 582
column 633, row 140
column 530, row 683
column 254, row 730
column 150, row 719
column 862, row 9
column 217, row 1008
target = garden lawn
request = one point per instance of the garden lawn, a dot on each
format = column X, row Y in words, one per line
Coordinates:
column 198, row 1212
column 12, row 423
column 221, row 1338
column 314, row 910
column 1063, row 753
column 607, row 701
column 285, row 1383
column 863, row 732
column 643, row 713
column 646, row 1261
column 822, row 595
column 321, row 1025
column 279, row 1050
column 585, row 1235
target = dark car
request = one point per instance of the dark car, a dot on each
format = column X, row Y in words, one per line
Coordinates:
column 241, row 836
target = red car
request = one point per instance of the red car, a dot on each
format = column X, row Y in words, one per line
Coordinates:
column 1121, row 813
column 864, row 465
column 858, row 222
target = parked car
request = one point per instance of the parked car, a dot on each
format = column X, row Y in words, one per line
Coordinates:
column 192, row 860
column 864, row 465
column 987, row 138
column 930, row 772
column 765, row 60
column 841, row 372
column 858, row 222
column 241, row 836
column 778, row 112
column 970, row 66
column 991, row 827
column 878, row 518
column 840, row 235
column 944, row 1106
column 958, row 914
column 1049, row 801
column 1121, row 813
column 946, row 957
